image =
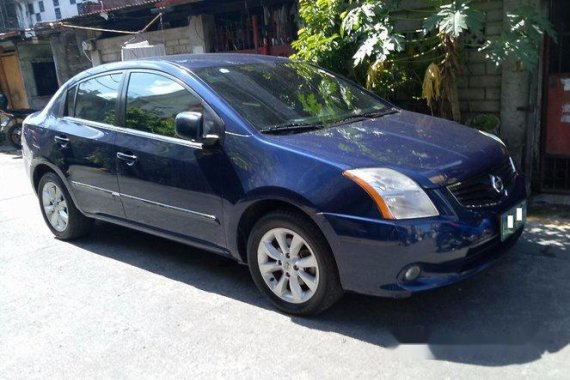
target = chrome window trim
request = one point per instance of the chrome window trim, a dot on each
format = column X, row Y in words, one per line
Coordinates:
column 201, row 215
column 136, row 132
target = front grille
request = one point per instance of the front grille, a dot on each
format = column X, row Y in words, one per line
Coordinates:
column 479, row 192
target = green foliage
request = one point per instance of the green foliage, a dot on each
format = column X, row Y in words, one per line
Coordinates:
column 319, row 39
column 485, row 122
column 357, row 38
column 368, row 25
column 520, row 39
column 144, row 120
column 454, row 19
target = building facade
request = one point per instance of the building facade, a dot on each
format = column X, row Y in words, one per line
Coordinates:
column 30, row 12
column 533, row 108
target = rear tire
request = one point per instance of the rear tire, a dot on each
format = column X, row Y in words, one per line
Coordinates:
column 61, row 215
column 292, row 264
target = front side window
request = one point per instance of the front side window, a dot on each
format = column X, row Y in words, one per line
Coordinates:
column 96, row 99
column 153, row 101
column 273, row 94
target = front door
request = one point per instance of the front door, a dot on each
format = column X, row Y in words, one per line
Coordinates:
column 556, row 149
column 166, row 182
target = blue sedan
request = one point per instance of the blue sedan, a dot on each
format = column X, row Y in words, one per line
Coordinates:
column 316, row 184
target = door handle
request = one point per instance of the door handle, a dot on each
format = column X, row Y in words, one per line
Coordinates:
column 61, row 140
column 130, row 159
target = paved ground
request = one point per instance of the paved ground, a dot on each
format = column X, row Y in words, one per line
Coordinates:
column 121, row 304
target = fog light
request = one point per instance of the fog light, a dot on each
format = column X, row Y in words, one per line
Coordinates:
column 412, row 273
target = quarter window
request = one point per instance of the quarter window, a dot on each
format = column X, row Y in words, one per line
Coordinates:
column 97, row 99
column 70, row 102
column 153, row 102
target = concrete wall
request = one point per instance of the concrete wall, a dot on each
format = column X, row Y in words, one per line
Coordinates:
column 193, row 38
column 68, row 54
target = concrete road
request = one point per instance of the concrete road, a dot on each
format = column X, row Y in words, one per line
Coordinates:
column 122, row 304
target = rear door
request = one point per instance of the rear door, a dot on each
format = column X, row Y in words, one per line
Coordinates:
column 166, row 182
column 84, row 143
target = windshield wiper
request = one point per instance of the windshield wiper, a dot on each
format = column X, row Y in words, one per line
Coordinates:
column 375, row 114
column 290, row 127
column 363, row 116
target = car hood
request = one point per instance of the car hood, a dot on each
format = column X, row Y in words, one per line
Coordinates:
column 432, row 151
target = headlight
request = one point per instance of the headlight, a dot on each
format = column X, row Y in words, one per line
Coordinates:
column 397, row 196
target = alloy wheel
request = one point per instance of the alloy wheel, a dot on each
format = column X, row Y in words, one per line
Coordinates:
column 288, row 265
column 55, row 206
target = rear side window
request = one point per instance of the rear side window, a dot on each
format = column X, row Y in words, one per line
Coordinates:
column 96, row 99
column 153, row 101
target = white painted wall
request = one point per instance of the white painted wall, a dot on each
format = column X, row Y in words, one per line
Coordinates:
column 67, row 9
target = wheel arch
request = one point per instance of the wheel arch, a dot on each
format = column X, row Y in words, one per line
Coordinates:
column 40, row 168
column 257, row 209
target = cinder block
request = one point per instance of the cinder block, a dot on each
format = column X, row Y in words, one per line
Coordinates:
column 485, row 106
column 492, row 93
column 474, row 56
column 485, row 81
column 472, row 94
column 494, row 15
column 476, row 69
column 491, row 68
column 493, row 28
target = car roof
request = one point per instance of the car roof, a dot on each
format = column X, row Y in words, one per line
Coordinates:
column 189, row 61
column 193, row 61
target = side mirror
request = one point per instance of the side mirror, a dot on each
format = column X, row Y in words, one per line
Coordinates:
column 190, row 126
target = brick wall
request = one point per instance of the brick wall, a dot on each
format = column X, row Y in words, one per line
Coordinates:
column 480, row 85
column 176, row 41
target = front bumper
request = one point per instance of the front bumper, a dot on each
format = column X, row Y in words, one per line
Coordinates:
column 372, row 254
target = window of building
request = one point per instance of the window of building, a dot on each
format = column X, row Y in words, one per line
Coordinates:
column 38, row 17
column 153, row 102
column 45, row 77
column 57, row 13
column 71, row 1
column 96, row 99
column 31, row 8
column 56, row 3
column 42, row 8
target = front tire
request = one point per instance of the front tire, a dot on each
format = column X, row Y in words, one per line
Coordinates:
column 292, row 264
column 61, row 215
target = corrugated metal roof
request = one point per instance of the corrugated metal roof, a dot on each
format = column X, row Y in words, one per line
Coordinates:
column 112, row 5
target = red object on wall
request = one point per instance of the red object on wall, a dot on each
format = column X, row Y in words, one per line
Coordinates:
column 558, row 118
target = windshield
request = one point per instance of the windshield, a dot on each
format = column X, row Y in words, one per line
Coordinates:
column 286, row 93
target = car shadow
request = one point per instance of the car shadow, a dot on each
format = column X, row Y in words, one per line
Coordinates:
column 513, row 313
